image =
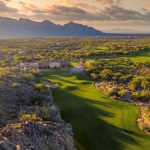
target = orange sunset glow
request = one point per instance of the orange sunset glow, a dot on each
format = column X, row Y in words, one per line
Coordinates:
column 106, row 15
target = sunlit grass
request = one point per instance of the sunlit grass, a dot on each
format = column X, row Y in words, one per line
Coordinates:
column 99, row 123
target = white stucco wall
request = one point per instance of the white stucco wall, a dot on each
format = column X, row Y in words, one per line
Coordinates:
column 54, row 64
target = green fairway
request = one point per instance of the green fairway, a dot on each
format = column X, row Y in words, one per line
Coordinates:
column 98, row 122
column 141, row 56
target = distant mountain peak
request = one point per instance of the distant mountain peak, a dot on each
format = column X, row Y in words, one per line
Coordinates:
column 48, row 22
column 25, row 20
column 71, row 23
column 74, row 24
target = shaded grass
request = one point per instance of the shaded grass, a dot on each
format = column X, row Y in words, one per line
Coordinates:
column 98, row 122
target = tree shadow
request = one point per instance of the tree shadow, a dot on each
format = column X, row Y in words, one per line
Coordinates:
column 63, row 79
column 145, row 52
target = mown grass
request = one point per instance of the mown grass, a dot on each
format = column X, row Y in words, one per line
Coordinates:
column 141, row 56
column 99, row 123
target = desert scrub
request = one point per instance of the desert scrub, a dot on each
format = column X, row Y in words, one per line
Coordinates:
column 28, row 117
column 110, row 91
column 27, row 76
column 40, row 86
column 15, row 85
column 122, row 92
column 144, row 119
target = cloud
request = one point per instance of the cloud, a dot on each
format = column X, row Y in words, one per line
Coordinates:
column 80, row 4
column 6, row 9
column 29, row 8
column 78, row 10
column 108, row 2
column 113, row 12
column 68, row 13
column 66, row 10
column 5, row 0
column 104, row 2
column 119, row 13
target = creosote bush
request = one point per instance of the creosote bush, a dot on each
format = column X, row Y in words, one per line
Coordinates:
column 28, row 117
column 40, row 86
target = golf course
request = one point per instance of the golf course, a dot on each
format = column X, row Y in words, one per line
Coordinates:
column 98, row 122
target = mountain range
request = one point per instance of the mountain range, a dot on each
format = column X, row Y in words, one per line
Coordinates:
column 26, row 28
column 10, row 28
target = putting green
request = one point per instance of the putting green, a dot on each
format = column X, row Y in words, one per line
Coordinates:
column 99, row 123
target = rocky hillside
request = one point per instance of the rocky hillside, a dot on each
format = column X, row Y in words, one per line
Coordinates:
column 20, row 100
column 36, row 136
column 16, row 93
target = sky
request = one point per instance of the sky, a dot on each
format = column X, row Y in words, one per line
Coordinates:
column 126, row 16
